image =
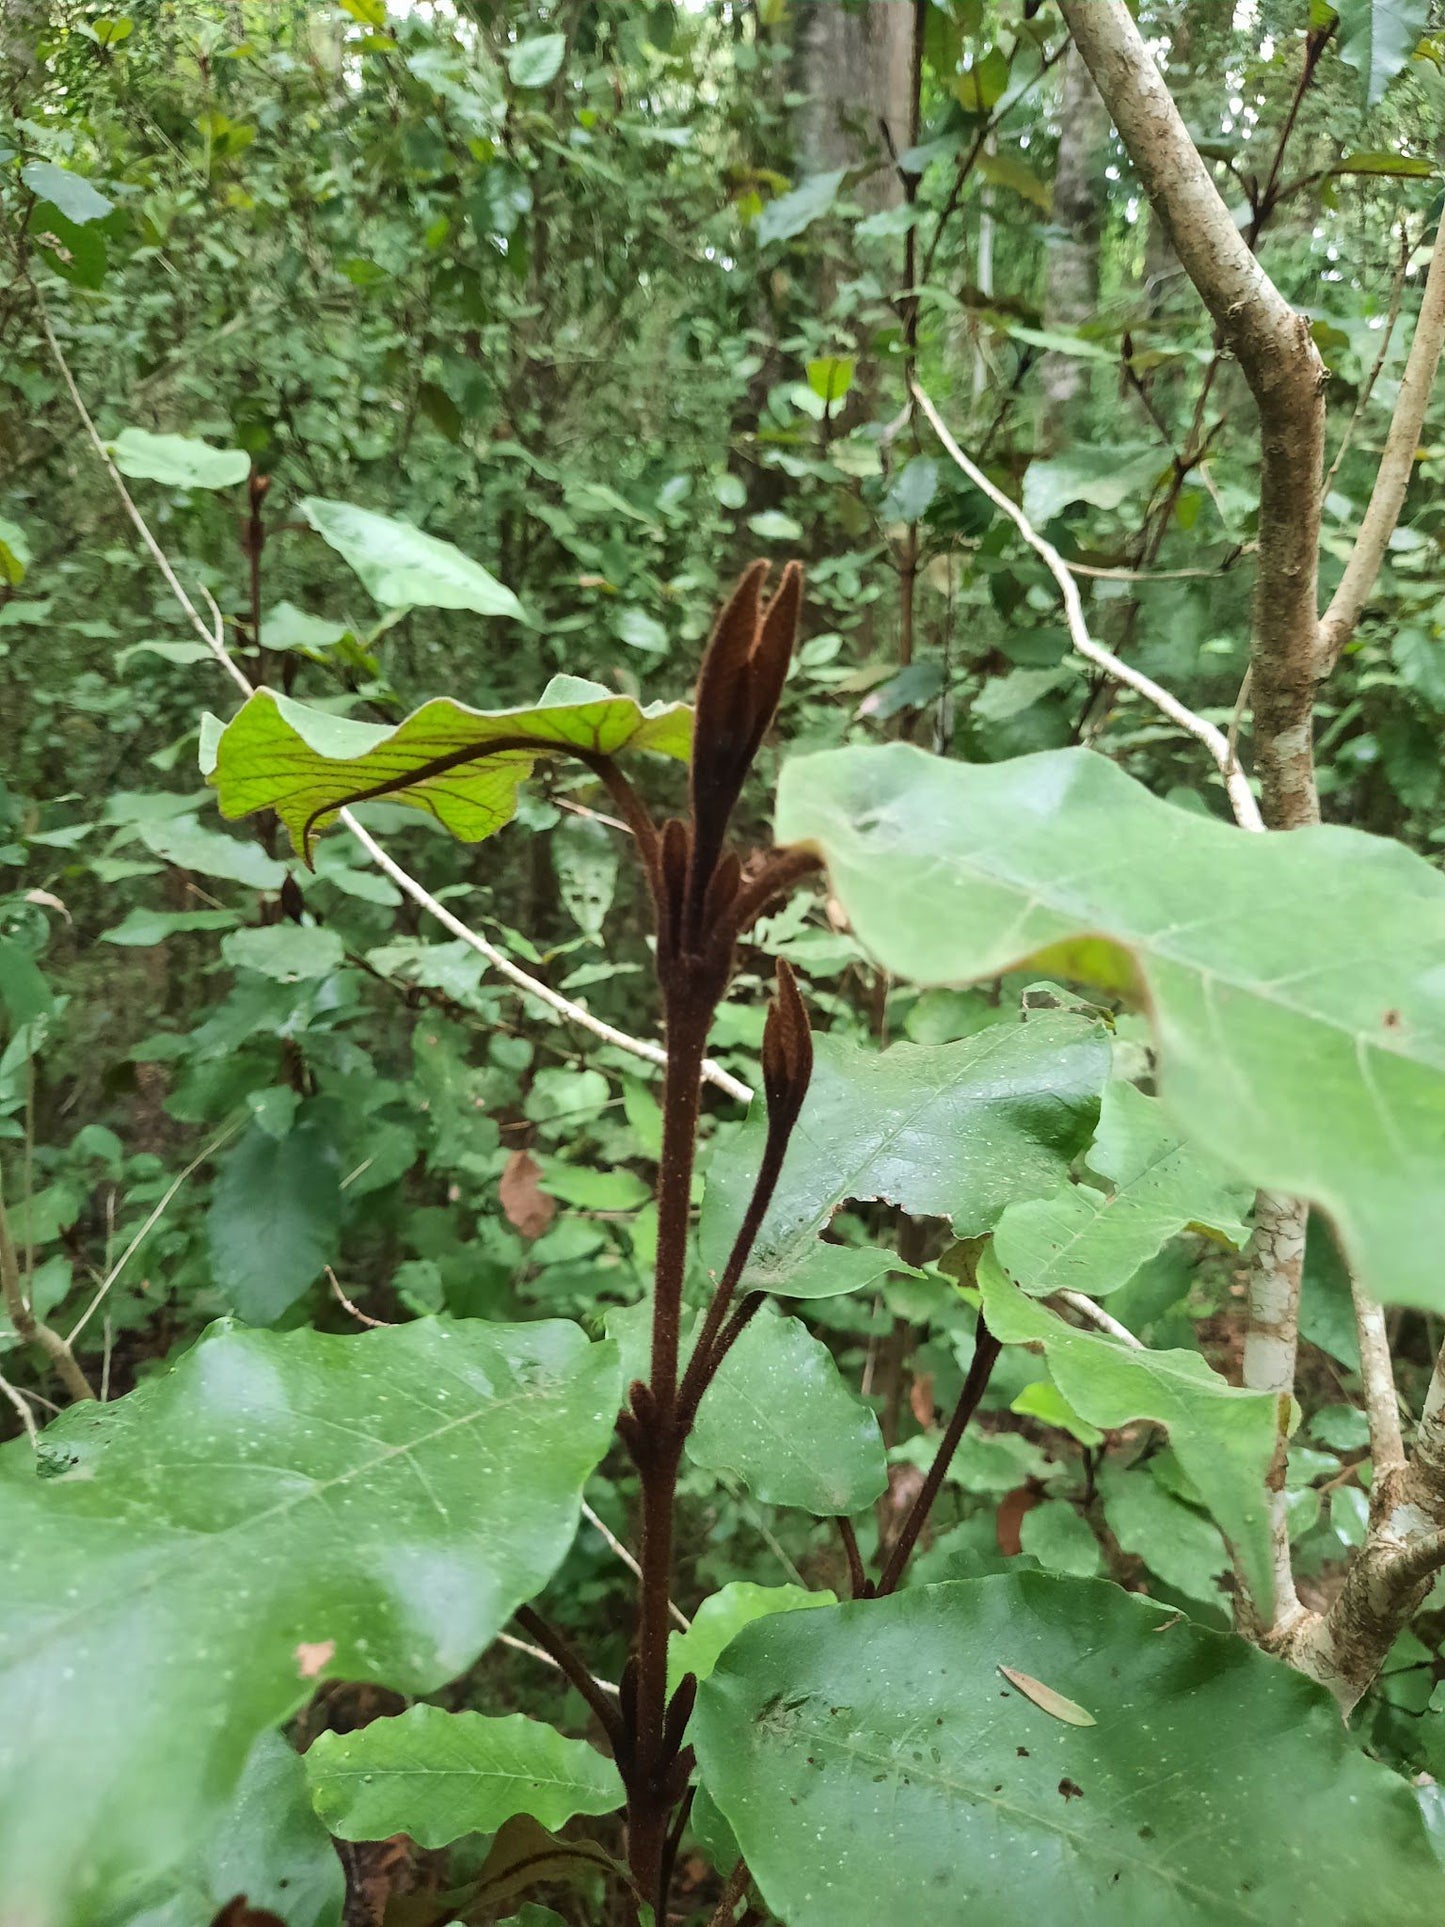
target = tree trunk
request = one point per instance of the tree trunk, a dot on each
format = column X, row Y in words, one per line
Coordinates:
column 854, row 68
column 1071, row 291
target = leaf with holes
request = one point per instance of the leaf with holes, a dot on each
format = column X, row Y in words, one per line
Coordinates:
column 1294, row 982
column 437, row 1775
column 374, row 1507
column 955, row 1130
column 463, row 766
column 875, row 1765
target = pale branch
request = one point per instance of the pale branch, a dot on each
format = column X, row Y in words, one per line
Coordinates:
column 1367, row 387
column 1111, row 574
column 1390, row 1576
column 535, row 1652
column 1271, row 1345
column 533, row 987
column 27, row 1417
column 157, row 1212
column 1096, row 1315
column 1285, row 375
column 1246, row 811
column 1397, row 465
column 1377, row 1374
column 29, row 1329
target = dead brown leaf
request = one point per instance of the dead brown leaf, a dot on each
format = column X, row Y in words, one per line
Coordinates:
column 528, row 1207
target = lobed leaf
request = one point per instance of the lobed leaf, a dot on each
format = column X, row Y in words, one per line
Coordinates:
column 307, row 764
column 1295, row 982
column 955, row 1130
column 1222, row 1436
column 1084, row 1239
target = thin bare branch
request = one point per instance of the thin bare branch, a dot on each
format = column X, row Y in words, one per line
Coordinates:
column 1246, row 810
column 212, row 636
column 600, row 1525
column 27, row 1327
column 157, row 1213
column 22, row 1406
column 1282, row 366
column 1377, row 1372
column 1387, row 335
column 1397, row 464
column 535, row 1652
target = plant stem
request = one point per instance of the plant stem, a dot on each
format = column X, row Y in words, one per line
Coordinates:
column 30, row 1329
column 560, row 1650
column 985, row 1352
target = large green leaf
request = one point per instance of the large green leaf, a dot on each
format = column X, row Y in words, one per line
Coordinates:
column 779, row 1417
column 1222, row 1436
column 437, row 1775
column 306, row 764
column 1084, row 1239
column 945, row 1130
column 273, row 1510
column 1294, row 982
column 403, row 568
column 71, row 193
column 876, row 1765
column 268, row 1845
column 1377, row 38
column 178, row 460
column 274, row 1218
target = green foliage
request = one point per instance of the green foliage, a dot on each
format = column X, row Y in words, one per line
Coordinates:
column 1223, row 1437
column 1084, row 1239
column 874, row 1752
column 457, row 354
column 437, row 1775
column 780, row 1418
column 1322, row 969
column 306, row 765
column 272, row 1511
column 958, row 1130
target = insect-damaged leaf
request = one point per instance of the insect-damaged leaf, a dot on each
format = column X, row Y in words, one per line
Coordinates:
column 875, row 1767
column 307, row 764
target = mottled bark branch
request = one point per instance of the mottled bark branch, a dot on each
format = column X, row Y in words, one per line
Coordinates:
column 1397, row 464
column 1285, row 375
column 1271, row 1344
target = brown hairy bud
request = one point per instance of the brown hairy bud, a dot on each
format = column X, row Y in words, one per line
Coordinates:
column 787, row 1052
column 738, row 691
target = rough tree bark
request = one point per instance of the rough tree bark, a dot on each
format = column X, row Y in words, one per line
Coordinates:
column 1071, row 289
column 854, row 68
